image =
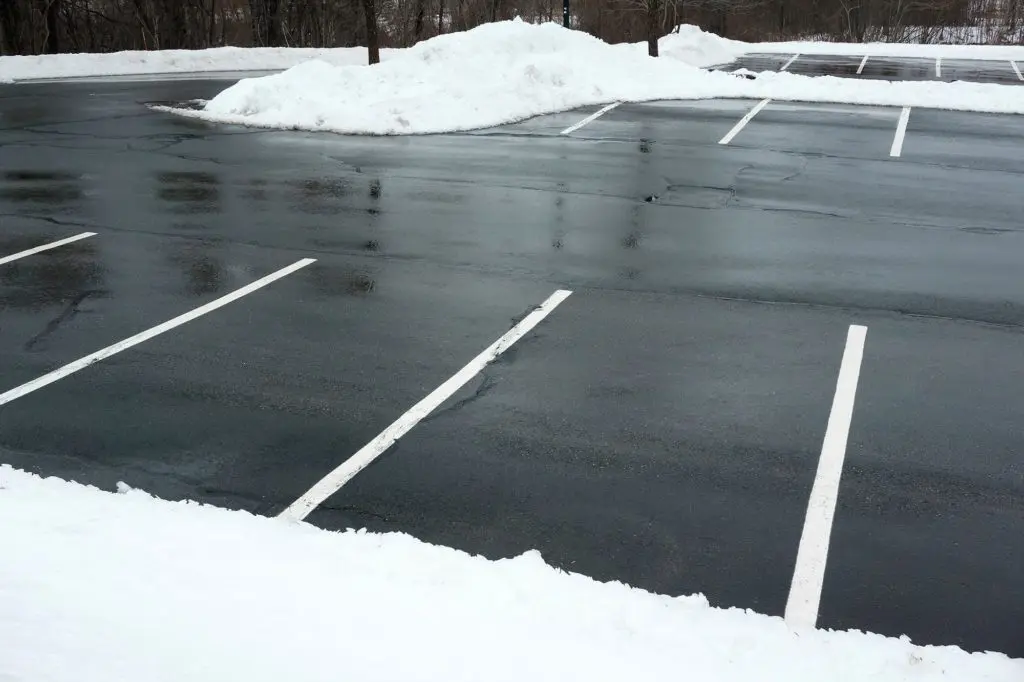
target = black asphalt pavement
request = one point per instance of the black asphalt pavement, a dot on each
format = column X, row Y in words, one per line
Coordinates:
column 883, row 68
column 661, row 427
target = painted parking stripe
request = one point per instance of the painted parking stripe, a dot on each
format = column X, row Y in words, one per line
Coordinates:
column 341, row 475
column 809, row 574
column 791, row 60
column 46, row 247
column 1016, row 70
column 860, row 69
column 743, row 122
column 901, row 132
column 938, row 67
column 597, row 114
column 116, row 348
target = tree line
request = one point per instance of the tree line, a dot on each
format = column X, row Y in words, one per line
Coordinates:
column 52, row 26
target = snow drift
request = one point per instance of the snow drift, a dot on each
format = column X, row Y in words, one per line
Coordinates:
column 97, row 586
column 508, row 71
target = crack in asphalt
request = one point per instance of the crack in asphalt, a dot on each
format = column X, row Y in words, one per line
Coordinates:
column 67, row 314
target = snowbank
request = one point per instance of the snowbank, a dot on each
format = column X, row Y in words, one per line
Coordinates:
column 694, row 46
column 98, row 586
column 139, row 63
column 504, row 72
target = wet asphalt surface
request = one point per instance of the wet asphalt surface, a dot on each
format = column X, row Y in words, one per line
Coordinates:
column 662, row 427
column 885, row 68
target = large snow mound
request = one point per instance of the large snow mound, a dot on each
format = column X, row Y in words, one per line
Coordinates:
column 508, row 71
column 97, row 586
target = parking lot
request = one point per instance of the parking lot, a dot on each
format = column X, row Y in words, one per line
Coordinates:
column 875, row 67
column 661, row 425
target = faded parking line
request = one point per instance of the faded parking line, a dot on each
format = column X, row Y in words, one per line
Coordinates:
column 743, row 122
column 45, row 247
column 901, row 132
column 92, row 359
column 600, row 112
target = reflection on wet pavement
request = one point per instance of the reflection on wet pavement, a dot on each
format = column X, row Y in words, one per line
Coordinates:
column 339, row 281
column 44, row 189
column 189, row 191
column 203, row 272
column 50, row 278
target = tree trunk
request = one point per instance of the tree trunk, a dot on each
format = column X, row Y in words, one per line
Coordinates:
column 653, row 9
column 52, row 27
column 440, row 17
column 417, row 31
column 266, row 22
column 10, row 27
column 372, row 41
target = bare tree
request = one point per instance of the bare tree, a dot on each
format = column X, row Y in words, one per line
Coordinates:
column 372, row 37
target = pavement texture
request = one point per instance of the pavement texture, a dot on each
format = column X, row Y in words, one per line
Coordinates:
column 661, row 427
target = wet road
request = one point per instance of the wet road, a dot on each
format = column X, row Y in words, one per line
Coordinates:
column 662, row 427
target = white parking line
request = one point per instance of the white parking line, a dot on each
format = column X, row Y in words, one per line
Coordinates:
column 901, row 132
column 341, row 475
column 791, row 60
column 46, row 247
column 938, row 67
column 1016, row 70
column 743, row 122
column 600, row 112
column 82, row 363
column 811, row 557
column 860, row 69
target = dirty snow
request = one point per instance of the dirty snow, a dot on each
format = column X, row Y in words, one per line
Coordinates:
column 98, row 586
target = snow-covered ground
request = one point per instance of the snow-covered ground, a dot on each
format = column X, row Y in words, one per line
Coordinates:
column 508, row 71
column 105, row 587
column 140, row 63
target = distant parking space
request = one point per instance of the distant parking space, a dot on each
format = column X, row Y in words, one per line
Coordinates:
column 884, row 68
column 967, row 140
column 896, row 69
column 838, row 130
column 833, row 65
column 979, row 71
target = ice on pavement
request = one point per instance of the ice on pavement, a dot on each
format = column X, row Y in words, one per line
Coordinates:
column 98, row 586
column 508, row 71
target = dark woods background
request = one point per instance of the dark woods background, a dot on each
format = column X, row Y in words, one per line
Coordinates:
column 49, row 26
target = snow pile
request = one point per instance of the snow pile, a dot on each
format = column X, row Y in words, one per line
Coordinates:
column 141, row 63
column 98, row 586
column 689, row 44
column 493, row 74
column 508, row 71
